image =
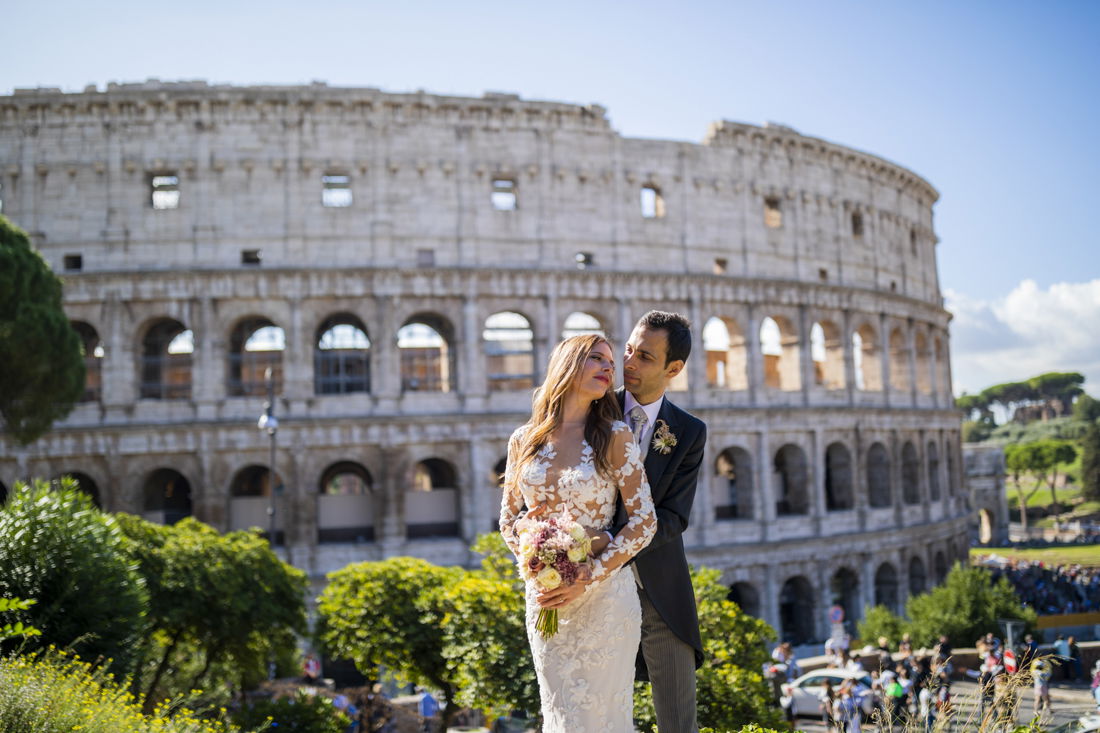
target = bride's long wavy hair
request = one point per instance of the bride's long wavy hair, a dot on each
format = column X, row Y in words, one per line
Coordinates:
column 566, row 363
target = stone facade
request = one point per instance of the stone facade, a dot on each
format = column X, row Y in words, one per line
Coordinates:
column 365, row 244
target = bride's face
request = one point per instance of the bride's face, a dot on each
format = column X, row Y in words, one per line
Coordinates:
column 597, row 374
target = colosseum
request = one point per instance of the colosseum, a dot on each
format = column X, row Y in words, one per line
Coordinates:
column 402, row 264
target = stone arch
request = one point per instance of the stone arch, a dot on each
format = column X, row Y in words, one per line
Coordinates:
column 797, row 611
column 341, row 356
column 578, row 323
column 918, row 581
column 986, row 526
column 431, row 501
column 426, row 345
column 866, row 354
column 910, row 474
column 886, row 586
column 779, row 348
column 839, row 494
column 733, row 484
column 939, row 567
column 166, row 351
column 791, row 480
column 899, row 360
column 924, row 364
column 879, row 494
column 933, row 459
column 845, row 592
column 746, row 596
column 85, row 483
column 346, row 504
column 166, row 496
column 250, row 499
column 952, row 477
column 93, row 351
column 827, row 353
column 509, row 344
column 726, row 353
column 256, row 344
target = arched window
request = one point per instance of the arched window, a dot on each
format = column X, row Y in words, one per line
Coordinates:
column 910, row 474
column 255, row 345
column 918, row 583
column 899, row 361
column 166, row 496
column 886, row 586
column 166, row 361
column 85, row 483
column 250, row 492
column 427, row 360
column 865, row 354
column 838, row 478
column 746, row 596
column 431, row 503
column 827, row 352
column 844, row 589
column 878, row 477
column 345, row 504
column 509, row 352
column 341, row 359
column 93, row 361
column 933, row 471
column 924, row 364
column 254, row 481
column 791, row 481
column 578, row 324
column 726, row 352
column 779, row 347
column 796, row 611
column 733, row 490
column 940, row 566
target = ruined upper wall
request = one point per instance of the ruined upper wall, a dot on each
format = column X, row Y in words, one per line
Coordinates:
column 76, row 170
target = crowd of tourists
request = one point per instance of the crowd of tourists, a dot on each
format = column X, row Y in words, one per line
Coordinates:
column 1050, row 590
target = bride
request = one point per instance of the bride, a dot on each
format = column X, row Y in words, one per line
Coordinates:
column 574, row 458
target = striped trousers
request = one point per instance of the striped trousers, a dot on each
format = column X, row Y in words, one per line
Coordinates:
column 671, row 665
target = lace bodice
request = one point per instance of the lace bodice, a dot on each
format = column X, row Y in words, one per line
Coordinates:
column 584, row 495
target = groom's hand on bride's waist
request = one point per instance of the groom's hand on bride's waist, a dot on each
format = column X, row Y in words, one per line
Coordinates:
column 600, row 540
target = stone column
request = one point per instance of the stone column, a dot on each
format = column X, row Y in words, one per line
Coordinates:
column 755, row 365
column 816, row 481
column 884, row 359
column 911, row 342
column 207, row 384
column 391, row 526
column 805, row 357
column 849, row 357
column 764, row 481
column 386, row 357
column 697, row 362
column 471, row 381
column 297, row 358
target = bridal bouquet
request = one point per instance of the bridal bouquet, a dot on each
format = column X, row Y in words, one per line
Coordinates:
column 553, row 552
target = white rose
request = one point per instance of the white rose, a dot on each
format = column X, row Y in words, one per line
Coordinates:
column 577, row 553
column 578, row 533
column 548, row 578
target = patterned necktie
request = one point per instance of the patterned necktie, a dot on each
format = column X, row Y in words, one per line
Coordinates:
column 638, row 422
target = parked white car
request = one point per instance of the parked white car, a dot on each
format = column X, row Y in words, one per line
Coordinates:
column 802, row 696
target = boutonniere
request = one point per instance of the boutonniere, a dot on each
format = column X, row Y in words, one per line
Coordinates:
column 663, row 438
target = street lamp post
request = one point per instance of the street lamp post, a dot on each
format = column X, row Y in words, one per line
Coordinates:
column 270, row 423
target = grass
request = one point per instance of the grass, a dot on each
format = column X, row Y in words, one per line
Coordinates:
column 1066, row 496
column 1088, row 555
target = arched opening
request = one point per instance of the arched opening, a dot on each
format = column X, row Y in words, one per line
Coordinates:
column 431, row 503
column 579, row 323
column 899, row 361
column 84, row 483
column 918, row 583
column 867, row 363
column 726, row 353
column 427, row 357
column 745, row 596
column 838, row 478
column 733, row 490
column 985, row 526
column 166, row 496
column 952, row 479
column 827, row 352
column 879, row 494
column 791, row 481
column 509, row 352
column 796, row 611
column 924, row 364
column 93, row 361
column 939, row 565
column 886, row 586
column 780, row 349
column 933, row 471
column 341, row 356
column 910, row 474
column 345, row 504
column 250, row 494
column 255, row 345
column 166, row 353
column 844, row 589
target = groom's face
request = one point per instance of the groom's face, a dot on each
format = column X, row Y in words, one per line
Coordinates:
column 645, row 373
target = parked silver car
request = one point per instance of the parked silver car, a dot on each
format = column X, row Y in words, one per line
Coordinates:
column 802, row 696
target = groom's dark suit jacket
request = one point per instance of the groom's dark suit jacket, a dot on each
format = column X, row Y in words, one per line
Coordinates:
column 662, row 565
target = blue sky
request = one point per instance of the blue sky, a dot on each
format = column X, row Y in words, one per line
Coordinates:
column 995, row 103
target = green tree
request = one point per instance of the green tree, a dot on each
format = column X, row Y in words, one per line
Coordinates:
column 1086, row 409
column 18, row 630
column 1057, row 389
column 976, row 431
column 302, row 713
column 41, row 366
column 1040, row 460
column 880, row 621
column 976, row 408
column 218, row 605
column 58, row 549
column 1090, row 463
column 390, row 613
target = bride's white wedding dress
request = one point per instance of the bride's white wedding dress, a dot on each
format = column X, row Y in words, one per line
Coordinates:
column 586, row 671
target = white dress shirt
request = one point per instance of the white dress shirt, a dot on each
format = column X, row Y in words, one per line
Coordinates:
column 651, row 412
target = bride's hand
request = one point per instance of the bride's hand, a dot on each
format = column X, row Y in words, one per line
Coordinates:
column 561, row 596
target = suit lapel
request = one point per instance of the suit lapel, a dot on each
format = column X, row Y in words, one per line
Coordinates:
column 655, row 461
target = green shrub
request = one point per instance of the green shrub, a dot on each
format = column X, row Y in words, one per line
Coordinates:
column 302, row 713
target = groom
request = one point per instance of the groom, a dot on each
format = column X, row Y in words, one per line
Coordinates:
column 672, row 442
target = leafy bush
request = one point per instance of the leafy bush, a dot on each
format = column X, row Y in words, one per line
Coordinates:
column 880, row 621
column 18, row 630
column 67, row 555
column 303, row 713
column 51, row 691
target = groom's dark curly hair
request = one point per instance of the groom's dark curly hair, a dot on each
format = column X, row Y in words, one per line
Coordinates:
column 676, row 327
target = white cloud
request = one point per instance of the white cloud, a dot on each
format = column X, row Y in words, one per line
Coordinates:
column 1027, row 332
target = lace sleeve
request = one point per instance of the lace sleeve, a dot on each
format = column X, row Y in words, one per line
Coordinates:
column 633, row 487
column 511, row 502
